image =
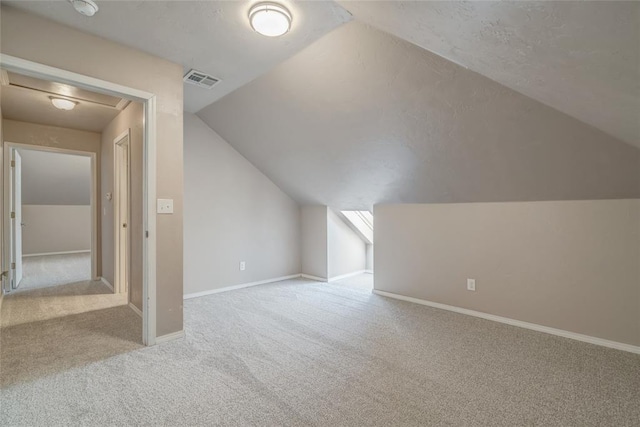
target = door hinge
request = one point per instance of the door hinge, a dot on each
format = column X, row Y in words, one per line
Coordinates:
column 146, row 234
column 13, row 215
column 13, row 163
column 13, row 265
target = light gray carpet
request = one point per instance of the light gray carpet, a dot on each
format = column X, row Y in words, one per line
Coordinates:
column 53, row 270
column 300, row 353
column 361, row 281
column 50, row 330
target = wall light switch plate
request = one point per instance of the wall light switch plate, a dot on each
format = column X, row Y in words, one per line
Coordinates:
column 243, row 266
column 165, row 206
column 471, row 284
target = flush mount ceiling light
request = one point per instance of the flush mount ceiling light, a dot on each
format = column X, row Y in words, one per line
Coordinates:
column 85, row 7
column 63, row 104
column 270, row 19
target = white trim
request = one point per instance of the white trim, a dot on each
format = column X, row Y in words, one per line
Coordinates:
column 243, row 285
column 45, row 72
column 346, row 276
column 368, row 271
column 170, row 337
column 149, row 214
column 316, row 278
column 7, row 146
column 519, row 323
column 117, row 244
column 106, row 282
column 57, row 253
column 135, row 309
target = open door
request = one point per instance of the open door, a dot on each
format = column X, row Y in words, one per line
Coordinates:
column 16, row 219
column 121, row 212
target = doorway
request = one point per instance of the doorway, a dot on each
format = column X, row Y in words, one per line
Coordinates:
column 146, row 239
column 50, row 215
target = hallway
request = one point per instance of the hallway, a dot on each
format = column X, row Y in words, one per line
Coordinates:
column 53, row 329
column 54, row 270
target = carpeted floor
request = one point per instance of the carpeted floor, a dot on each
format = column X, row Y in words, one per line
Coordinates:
column 361, row 281
column 53, row 270
column 299, row 353
column 52, row 329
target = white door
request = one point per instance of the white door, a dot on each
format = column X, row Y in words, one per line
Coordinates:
column 16, row 220
column 121, row 157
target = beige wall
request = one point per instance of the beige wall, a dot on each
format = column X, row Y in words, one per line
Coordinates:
column 346, row 251
column 56, row 137
column 233, row 213
column 131, row 118
column 314, row 241
column 55, row 228
column 83, row 53
column 571, row 265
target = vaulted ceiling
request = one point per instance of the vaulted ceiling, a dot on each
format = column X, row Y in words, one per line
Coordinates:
column 580, row 57
column 391, row 101
column 362, row 117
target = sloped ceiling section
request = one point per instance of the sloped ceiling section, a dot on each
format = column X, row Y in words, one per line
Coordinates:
column 55, row 179
column 361, row 117
column 580, row 57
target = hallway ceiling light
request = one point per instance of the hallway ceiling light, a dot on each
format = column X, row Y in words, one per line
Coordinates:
column 85, row 7
column 63, row 104
column 270, row 19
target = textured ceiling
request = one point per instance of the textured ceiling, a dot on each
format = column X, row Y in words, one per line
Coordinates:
column 580, row 57
column 361, row 117
column 210, row 36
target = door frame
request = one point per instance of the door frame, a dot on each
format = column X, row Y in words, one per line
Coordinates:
column 119, row 287
column 34, row 69
column 8, row 146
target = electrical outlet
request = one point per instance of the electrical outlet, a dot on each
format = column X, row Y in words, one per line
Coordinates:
column 243, row 266
column 471, row 284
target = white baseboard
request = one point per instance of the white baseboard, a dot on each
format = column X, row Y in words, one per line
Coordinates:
column 57, row 253
column 243, row 285
column 170, row 337
column 135, row 309
column 316, row 278
column 106, row 282
column 346, row 276
column 535, row 327
column 369, row 271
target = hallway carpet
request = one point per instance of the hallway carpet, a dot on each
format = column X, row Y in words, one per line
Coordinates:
column 300, row 353
column 52, row 270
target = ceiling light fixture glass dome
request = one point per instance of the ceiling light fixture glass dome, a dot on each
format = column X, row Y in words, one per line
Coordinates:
column 85, row 7
column 63, row 104
column 270, row 19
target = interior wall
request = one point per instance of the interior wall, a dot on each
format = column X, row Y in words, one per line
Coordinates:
column 1, row 210
column 314, row 241
column 369, row 263
column 51, row 136
column 93, row 56
column 346, row 251
column 131, row 118
column 571, row 265
column 56, row 228
column 233, row 213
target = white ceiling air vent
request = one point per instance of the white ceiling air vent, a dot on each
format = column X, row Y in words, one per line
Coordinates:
column 200, row 79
